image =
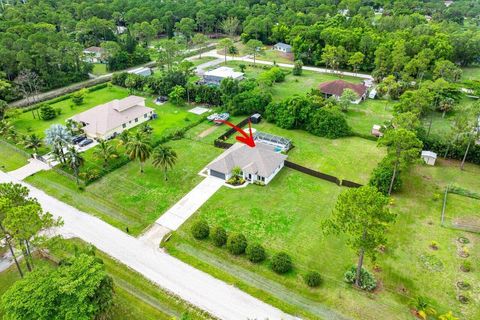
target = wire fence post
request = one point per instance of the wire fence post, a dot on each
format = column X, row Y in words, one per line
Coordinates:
column 444, row 204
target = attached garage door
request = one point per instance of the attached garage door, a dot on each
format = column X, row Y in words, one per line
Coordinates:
column 217, row 174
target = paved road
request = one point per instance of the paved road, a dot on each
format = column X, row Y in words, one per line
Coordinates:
column 202, row 290
column 221, row 58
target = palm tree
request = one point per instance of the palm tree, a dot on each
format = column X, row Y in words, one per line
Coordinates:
column 138, row 147
column 164, row 157
column 5, row 128
column 123, row 138
column 32, row 141
column 105, row 151
column 57, row 136
column 74, row 161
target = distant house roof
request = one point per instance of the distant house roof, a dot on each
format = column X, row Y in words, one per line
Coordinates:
column 283, row 45
column 101, row 119
column 336, row 87
column 224, row 72
column 429, row 154
column 260, row 160
column 142, row 71
column 94, row 50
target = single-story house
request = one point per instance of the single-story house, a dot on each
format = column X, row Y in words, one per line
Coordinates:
column 93, row 54
column 335, row 88
column 216, row 76
column 142, row 71
column 283, row 47
column 429, row 157
column 259, row 164
column 110, row 119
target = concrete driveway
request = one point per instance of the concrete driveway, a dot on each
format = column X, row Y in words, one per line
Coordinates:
column 191, row 202
column 27, row 170
column 199, row 288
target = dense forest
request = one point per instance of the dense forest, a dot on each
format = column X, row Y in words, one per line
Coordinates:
column 407, row 38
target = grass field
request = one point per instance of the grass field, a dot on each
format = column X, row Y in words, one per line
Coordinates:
column 286, row 216
column 99, row 69
column 471, row 73
column 127, row 198
column 462, row 212
column 135, row 297
column 10, row 159
column 363, row 116
column 349, row 158
column 198, row 61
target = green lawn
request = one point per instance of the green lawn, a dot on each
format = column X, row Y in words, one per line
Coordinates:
column 277, row 56
column 198, row 61
column 127, row 198
column 349, row 158
column 286, row 216
column 99, row 69
column 462, row 212
column 363, row 116
column 135, row 297
column 471, row 73
column 11, row 159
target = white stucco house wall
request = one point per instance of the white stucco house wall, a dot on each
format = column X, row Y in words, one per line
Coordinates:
column 93, row 55
column 259, row 164
column 110, row 119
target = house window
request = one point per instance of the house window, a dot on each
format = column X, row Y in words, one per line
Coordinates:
column 145, row 115
column 136, row 119
column 124, row 125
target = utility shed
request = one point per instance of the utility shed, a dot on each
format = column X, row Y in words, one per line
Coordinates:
column 429, row 157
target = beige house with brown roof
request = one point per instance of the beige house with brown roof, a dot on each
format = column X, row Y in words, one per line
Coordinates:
column 110, row 119
column 259, row 164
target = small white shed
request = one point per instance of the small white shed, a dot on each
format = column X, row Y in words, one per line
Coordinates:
column 429, row 157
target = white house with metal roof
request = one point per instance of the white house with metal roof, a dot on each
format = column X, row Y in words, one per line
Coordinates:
column 216, row 76
column 110, row 119
column 283, row 47
column 259, row 164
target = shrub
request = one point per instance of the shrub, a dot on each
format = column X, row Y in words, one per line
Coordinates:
column 219, row 236
column 466, row 266
column 281, row 263
column 329, row 123
column 236, row 243
column 47, row 112
column 200, row 230
column 256, row 253
column 297, row 68
column 79, row 96
column 367, row 280
column 313, row 279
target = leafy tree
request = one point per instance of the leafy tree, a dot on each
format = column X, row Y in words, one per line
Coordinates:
column 3, row 108
column 362, row 214
column 78, row 288
column 472, row 132
column 333, row 57
column 347, row 97
column 164, row 157
column 329, row 123
column 356, row 60
column 47, row 112
column 188, row 69
column 199, row 40
column 281, row 263
column 230, row 26
column 186, row 27
column 169, row 52
column 138, row 148
column 255, row 48
column 447, row 70
column 403, row 147
column 105, row 151
column 143, row 32
column 79, row 96
column 177, row 95
column 225, row 44
column 297, row 68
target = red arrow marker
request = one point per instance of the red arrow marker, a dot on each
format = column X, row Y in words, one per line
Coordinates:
column 247, row 138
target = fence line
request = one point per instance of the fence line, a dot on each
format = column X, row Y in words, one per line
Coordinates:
column 313, row 173
column 15, row 148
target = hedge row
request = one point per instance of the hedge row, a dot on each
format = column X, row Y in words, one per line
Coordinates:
column 237, row 244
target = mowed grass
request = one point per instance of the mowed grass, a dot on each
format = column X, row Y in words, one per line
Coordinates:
column 99, row 69
column 363, row 116
column 11, row 159
column 350, row 158
column 135, row 297
column 127, row 198
column 462, row 211
column 471, row 73
column 287, row 216
column 199, row 61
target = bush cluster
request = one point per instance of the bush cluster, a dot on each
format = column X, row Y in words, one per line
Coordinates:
column 367, row 280
column 312, row 279
column 256, row 253
column 47, row 112
column 219, row 236
column 382, row 176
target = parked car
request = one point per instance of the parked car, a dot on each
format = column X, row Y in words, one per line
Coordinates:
column 222, row 116
column 161, row 99
column 78, row 139
column 212, row 117
column 85, row 142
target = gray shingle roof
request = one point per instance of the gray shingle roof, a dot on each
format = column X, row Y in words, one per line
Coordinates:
column 283, row 45
column 260, row 160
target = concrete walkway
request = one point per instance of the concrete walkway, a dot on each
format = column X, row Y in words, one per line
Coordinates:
column 32, row 167
column 191, row 202
column 199, row 288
